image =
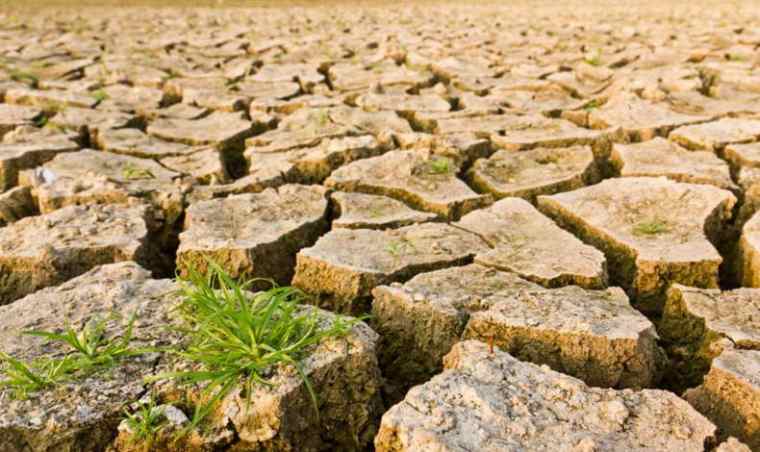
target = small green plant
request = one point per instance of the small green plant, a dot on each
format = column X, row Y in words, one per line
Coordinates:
column 99, row 95
column 41, row 121
column 591, row 105
column 145, row 424
column 236, row 337
column 399, row 248
column 652, row 227
column 440, row 165
column 91, row 352
column 24, row 77
column 594, row 59
column 132, row 172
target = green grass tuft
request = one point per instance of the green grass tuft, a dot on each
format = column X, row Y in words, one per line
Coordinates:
column 99, row 95
column 440, row 165
column 237, row 337
column 652, row 227
column 145, row 424
column 91, row 352
column 132, row 172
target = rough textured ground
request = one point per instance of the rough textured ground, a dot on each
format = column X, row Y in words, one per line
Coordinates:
column 572, row 185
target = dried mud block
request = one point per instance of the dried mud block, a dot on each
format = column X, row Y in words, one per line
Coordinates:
column 82, row 415
column 660, row 157
column 360, row 211
column 46, row 250
column 527, row 174
column 730, row 395
column 653, row 231
column 492, row 401
column 526, row 242
column 420, row 180
column 253, row 235
column 698, row 324
column 343, row 267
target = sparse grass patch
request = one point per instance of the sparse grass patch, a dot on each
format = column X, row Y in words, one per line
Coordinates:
column 236, row 337
column 99, row 95
column 591, row 105
column 651, row 227
column 91, row 352
column 145, row 424
column 594, row 59
column 24, row 77
column 134, row 172
column 440, row 165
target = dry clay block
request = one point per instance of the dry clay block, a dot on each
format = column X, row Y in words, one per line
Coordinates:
column 527, row 174
column 698, row 324
column 82, row 415
column 653, row 232
column 525, row 242
column 660, row 157
column 715, row 136
column 346, row 380
column 16, row 204
column 749, row 252
column 343, row 267
column 18, row 156
column 360, row 211
column 730, row 395
column 422, row 181
column 591, row 334
column 46, row 250
column 253, row 235
column 491, row 401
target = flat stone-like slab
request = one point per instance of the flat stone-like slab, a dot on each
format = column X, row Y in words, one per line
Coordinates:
column 749, row 252
column 423, row 181
column 640, row 119
column 698, row 324
column 743, row 155
column 225, row 131
column 730, row 395
column 590, row 334
column 593, row 335
column 343, row 267
column 21, row 155
column 137, row 143
column 526, row 242
column 360, row 211
column 205, row 166
column 46, row 250
column 90, row 123
column 90, row 176
column 12, row 116
column 82, row 415
column 51, row 99
column 660, row 157
column 314, row 164
column 492, row 401
column 527, row 174
column 402, row 102
column 653, row 231
column 16, row 204
column 533, row 131
column 714, row 136
column 253, row 235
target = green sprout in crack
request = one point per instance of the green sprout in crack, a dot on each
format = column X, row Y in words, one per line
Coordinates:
column 24, row 77
column 652, row 227
column 91, row 352
column 99, row 95
column 594, row 59
column 440, row 165
column 591, row 105
column 145, row 424
column 235, row 337
column 399, row 248
column 132, row 172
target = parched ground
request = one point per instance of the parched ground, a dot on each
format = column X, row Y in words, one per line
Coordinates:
column 547, row 209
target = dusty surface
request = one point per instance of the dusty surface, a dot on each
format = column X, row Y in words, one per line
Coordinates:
column 522, row 405
column 253, row 235
column 730, row 395
column 653, row 231
column 486, row 171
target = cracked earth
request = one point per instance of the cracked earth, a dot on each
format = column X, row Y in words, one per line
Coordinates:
column 549, row 213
